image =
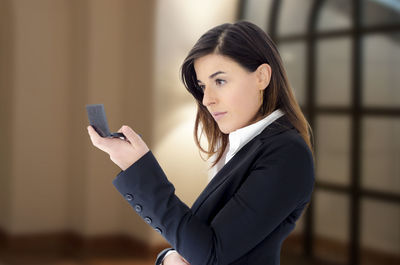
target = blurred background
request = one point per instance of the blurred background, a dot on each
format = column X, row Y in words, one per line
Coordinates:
column 57, row 203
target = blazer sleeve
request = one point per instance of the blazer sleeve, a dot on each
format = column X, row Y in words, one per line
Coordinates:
column 280, row 180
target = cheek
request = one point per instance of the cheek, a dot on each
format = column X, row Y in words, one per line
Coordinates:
column 245, row 99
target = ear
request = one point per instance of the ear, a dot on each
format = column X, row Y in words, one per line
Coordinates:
column 263, row 73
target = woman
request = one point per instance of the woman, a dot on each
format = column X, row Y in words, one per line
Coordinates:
column 262, row 172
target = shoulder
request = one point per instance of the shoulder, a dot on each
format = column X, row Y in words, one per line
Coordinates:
column 287, row 151
column 288, row 139
column 288, row 155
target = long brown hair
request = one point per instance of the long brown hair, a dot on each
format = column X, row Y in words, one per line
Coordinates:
column 250, row 47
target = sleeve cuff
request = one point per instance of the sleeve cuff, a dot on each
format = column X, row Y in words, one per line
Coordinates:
column 168, row 253
column 162, row 255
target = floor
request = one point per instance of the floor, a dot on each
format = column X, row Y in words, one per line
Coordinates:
column 123, row 257
column 51, row 259
column 104, row 261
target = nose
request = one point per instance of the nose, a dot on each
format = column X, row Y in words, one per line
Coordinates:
column 208, row 98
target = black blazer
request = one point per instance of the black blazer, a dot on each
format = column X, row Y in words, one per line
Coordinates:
column 244, row 213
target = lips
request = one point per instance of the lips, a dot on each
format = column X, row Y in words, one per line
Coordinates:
column 218, row 115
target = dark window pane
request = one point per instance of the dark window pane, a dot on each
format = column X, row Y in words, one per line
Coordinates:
column 378, row 12
column 333, row 149
column 334, row 15
column 258, row 12
column 381, row 78
column 293, row 17
column 294, row 60
column 381, row 154
column 333, row 72
column 380, row 230
column 331, row 226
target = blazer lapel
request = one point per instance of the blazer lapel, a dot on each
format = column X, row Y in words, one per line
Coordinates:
column 278, row 126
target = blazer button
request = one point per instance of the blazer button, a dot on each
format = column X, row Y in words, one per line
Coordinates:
column 158, row 230
column 129, row 197
column 138, row 208
column 147, row 220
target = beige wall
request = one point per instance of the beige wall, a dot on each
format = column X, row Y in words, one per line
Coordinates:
column 58, row 56
column 6, row 117
column 40, row 87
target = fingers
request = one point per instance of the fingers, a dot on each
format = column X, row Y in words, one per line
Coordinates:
column 96, row 139
column 130, row 134
column 175, row 259
column 186, row 262
column 94, row 136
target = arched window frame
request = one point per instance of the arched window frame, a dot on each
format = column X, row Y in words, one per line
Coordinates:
column 356, row 111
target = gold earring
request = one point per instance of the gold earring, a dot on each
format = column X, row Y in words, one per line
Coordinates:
column 261, row 97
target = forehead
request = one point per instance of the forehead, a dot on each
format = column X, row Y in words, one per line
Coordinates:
column 211, row 63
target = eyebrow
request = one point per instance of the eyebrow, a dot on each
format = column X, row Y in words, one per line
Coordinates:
column 213, row 75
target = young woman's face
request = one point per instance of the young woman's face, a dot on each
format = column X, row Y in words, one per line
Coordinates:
column 231, row 93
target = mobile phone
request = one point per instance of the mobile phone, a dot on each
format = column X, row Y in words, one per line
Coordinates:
column 98, row 120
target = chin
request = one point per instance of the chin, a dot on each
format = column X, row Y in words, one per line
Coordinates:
column 225, row 130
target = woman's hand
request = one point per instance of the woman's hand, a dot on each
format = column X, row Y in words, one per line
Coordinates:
column 122, row 153
column 175, row 259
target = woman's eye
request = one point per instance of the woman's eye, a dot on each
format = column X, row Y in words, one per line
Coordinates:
column 202, row 87
column 220, row 82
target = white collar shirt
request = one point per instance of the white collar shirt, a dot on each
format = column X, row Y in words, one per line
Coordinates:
column 239, row 138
